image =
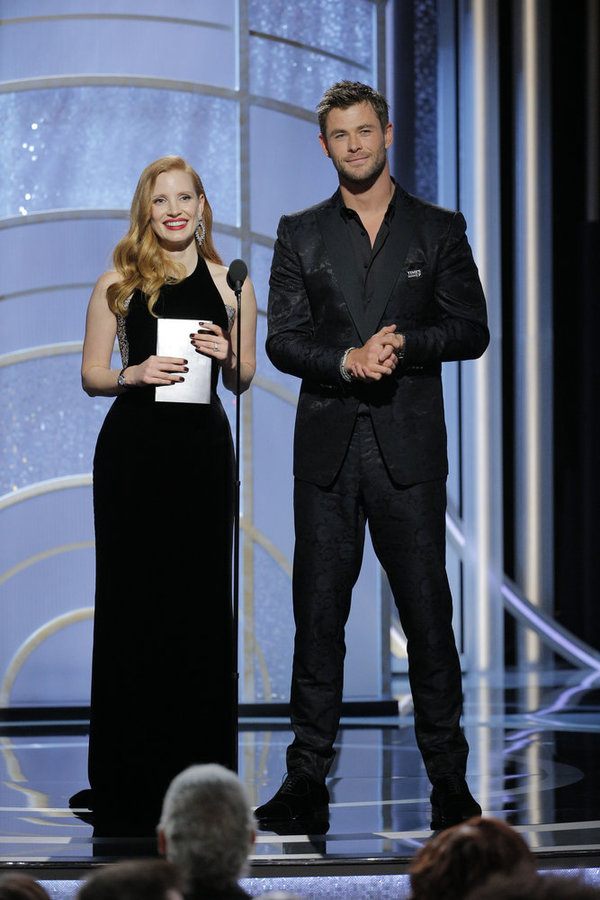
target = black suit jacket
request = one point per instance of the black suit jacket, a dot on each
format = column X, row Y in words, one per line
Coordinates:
column 430, row 290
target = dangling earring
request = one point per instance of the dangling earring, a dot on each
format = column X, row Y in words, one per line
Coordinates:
column 200, row 231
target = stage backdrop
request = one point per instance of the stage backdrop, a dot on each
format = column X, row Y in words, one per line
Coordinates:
column 90, row 93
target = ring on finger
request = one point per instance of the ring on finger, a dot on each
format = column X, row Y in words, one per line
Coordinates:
column 215, row 347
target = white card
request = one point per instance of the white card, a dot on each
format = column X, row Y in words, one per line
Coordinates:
column 173, row 339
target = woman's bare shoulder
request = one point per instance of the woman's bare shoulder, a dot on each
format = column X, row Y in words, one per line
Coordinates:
column 107, row 278
column 219, row 275
column 217, row 270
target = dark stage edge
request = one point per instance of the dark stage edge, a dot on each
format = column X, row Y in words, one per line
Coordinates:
column 535, row 742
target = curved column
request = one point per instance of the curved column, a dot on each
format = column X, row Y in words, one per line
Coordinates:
column 80, row 95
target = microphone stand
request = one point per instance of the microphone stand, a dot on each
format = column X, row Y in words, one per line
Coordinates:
column 236, row 528
column 235, row 279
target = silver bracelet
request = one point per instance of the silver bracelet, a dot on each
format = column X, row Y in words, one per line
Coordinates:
column 343, row 371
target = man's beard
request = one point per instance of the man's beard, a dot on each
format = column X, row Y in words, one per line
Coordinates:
column 366, row 177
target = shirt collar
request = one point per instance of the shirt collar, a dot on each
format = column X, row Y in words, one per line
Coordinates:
column 348, row 213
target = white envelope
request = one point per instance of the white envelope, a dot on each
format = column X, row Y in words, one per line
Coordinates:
column 173, row 339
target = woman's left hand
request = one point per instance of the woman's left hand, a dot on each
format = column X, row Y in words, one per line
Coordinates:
column 213, row 341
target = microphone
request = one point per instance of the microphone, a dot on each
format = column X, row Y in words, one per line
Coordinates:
column 236, row 274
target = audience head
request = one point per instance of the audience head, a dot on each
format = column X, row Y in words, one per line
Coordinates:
column 153, row 879
column 533, row 887
column 21, row 887
column 460, row 858
column 207, row 827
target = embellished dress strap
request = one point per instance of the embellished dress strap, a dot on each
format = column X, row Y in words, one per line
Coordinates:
column 122, row 337
column 231, row 311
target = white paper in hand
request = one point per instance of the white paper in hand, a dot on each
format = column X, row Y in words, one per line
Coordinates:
column 173, row 339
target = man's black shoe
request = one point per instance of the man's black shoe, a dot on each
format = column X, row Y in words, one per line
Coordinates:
column 311, row 824
column 82, row 804
column 452, row 803
column 82, row 800
column 298, row 796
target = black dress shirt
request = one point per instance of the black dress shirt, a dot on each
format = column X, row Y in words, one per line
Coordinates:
column 367, row 259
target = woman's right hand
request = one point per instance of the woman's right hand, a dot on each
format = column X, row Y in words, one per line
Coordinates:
column 156, row 370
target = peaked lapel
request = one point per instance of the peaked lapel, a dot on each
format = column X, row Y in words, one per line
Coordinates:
column 335, row 238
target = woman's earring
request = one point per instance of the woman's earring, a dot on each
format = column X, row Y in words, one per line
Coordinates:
column 200, row 231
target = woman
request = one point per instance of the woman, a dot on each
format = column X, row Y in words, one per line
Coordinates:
column 462, row 858
column 162, row 669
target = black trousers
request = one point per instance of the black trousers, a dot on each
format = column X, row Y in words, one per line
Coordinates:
column 407, row 526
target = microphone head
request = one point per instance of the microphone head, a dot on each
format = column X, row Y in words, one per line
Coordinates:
column 237, row 274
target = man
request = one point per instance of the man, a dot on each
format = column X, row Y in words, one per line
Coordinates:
column 371, row 291
column 207, row 829
column 141, row 879
column 18, row 886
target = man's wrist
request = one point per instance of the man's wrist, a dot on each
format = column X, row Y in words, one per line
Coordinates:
column 346, row 375
column 401, row 351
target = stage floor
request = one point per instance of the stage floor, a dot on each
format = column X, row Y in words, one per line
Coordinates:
column 535, row 746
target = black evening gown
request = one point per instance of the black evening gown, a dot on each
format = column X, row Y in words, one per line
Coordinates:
column 162, row 670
